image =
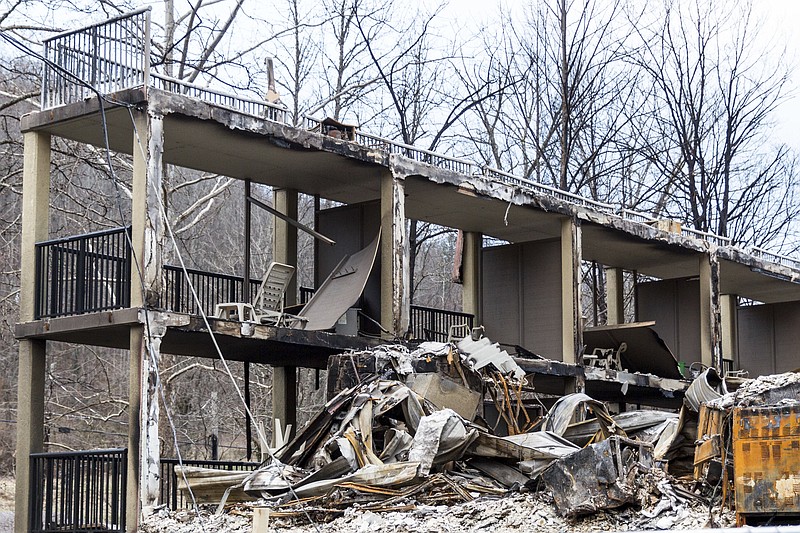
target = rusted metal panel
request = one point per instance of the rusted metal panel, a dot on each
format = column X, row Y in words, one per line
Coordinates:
column 766, row 459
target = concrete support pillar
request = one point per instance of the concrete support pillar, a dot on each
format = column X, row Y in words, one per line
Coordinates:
column 571, row 318
column 471, row 274
column 284, row 395
column 394, row 257
column 615, row 296
column 284, row 378
column 729, row 327
column 709, row 311
column 285, row 237
column 147, row 236
column 31, row 375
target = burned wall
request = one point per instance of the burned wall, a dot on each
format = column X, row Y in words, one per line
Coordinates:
column 522, row 295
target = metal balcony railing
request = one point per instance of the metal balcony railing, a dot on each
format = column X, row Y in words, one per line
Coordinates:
column 211, row 288
column 83, row 274
column 78, row 491
column 778, row 259
column 104, row 58
column 430, row 324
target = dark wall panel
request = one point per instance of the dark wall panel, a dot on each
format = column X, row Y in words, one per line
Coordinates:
column 352, row 227
column 674, row 305
column 522, row 295
column 769, row 338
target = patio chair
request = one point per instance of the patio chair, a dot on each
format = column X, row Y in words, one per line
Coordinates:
column 267, row 306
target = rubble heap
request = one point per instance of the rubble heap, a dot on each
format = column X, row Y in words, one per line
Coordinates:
column 403, row 443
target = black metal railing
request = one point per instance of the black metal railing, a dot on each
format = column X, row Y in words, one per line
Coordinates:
column 211, row 289
column 305, row 294
column 425, row 323
column 83, row 274
column 430, row 324
column 170, row 494
column 78, row 491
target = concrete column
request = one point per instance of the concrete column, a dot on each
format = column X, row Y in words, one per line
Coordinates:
column 615, row 296
column 284, row 395
column 147, row 233
column 571, row 320
column 394, row 256
column 729, row 327
column 709, row 311
column 471, row 288
column 31, row 375
column 285, row 237
column 284, row 378
column 147, row 236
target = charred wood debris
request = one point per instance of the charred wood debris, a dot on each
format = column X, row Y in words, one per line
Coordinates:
column 407, row 429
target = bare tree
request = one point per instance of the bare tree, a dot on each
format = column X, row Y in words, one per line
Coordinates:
column 715, row 96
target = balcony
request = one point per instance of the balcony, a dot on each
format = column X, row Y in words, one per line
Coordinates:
column 91, row 273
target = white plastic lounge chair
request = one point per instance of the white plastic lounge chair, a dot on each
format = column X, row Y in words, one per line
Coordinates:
column 267, row 307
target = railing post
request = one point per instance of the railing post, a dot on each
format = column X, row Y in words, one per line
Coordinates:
column 80, row 278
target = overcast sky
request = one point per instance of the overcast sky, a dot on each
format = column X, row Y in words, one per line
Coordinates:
column 781, row 19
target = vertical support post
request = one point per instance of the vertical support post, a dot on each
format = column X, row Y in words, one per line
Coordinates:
column 394, row 257
column 32, row 353
column 248, row 427
column 284, row 378
column 284, row 396
column 146, row 286
column 571, row 319
column 472, row 287
column 285, row 236
column 248, row 217
column 615, row 296
column 729, row 327
column 709, row 311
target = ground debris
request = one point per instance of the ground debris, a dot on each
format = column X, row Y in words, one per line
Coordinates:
column 516, row 512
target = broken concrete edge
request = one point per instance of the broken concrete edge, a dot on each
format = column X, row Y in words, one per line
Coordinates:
column 167, row 103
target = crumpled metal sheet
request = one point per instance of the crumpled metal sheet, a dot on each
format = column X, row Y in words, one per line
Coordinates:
column 600, row 476
column 562, row 412
column 483, row 352
column 441, row 436
column 705, row 387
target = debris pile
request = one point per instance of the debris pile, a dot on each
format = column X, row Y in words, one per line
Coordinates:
column 405, row 441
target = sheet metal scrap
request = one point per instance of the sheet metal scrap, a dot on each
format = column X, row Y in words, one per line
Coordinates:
column 438, row 489
column 600, row 476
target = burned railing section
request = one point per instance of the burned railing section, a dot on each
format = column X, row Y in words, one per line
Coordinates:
column 101, row 58
column 78, row 491
column 430, row 324
column 83, row 274
column 211, row 289
column 175, row 499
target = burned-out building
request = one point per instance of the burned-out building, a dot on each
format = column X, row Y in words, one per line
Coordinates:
column 114, row 289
